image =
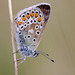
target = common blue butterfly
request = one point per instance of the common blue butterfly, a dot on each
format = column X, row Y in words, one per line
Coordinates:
column 29, row 26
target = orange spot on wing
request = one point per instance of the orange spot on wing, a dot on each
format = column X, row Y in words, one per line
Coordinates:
column 41, row 23
column 36, row 14
column 46, row 12
column 28, row 16
column 32, row 14
column 23, row 18
column 19, row 23
column 43, row 10
column 39, row 19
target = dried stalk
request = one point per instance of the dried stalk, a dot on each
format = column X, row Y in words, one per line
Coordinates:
column 12, row 36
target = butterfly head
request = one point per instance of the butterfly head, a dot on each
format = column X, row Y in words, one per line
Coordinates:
column 35, row 53
column 25, row 51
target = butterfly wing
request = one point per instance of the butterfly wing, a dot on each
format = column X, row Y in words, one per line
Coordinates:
column 45, row 12
column 30, row 24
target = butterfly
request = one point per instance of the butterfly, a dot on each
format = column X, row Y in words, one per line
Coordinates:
column 29, row 26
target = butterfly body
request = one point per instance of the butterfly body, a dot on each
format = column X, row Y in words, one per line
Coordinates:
column 29, row 26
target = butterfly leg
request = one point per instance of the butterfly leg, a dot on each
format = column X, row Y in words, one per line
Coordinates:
column 21, row 61
column 18, row 59
column 16, row 52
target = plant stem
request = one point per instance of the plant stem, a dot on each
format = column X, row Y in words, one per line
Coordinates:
column 12, row 36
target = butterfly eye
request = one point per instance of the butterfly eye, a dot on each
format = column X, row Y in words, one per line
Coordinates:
column 37, row 32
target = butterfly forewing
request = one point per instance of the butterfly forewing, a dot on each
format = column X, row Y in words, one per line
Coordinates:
column 30, row 24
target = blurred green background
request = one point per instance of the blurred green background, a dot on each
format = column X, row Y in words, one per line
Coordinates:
column 58, row 40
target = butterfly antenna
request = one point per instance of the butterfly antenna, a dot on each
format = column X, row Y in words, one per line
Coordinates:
column 46, row 55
